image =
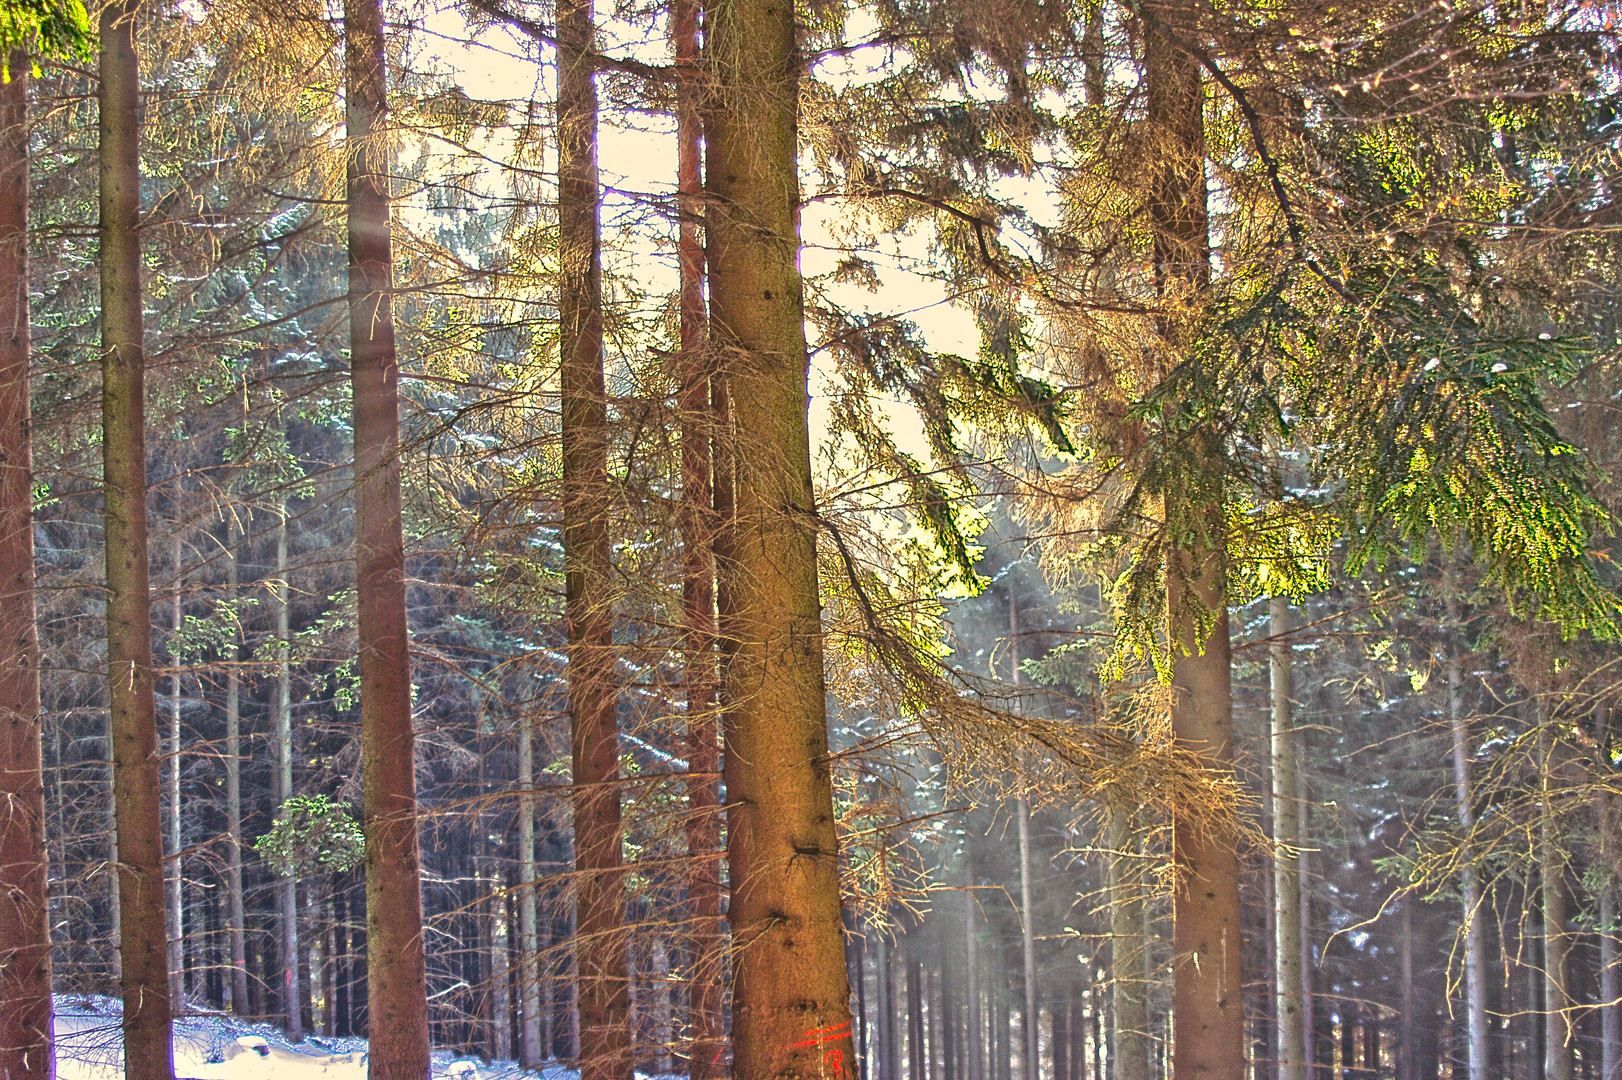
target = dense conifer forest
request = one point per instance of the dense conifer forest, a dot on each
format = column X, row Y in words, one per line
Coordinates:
column 811, row 539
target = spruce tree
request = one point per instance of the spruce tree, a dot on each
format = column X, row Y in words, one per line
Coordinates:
column 395, row 961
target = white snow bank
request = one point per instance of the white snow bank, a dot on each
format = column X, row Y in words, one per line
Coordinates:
column 214, row 1046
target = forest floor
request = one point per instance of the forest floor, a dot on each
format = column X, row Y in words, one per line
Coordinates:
column 214, row 1046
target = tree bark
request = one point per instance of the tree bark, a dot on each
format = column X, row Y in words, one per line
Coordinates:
column 1129, row 948
column 1475, row 931
column 791, row 1011
column 1207, row 986
column 287, row 888
column 1610, row 963
column 529, row 974
column 173, row 871
column 132, row 711
column 707, row 1032
column 601, row 945
column 233, row 789
column 25, row 942
column 1027, row 928
column 1287, row 843
column 974, row 1054
column 397, row 1006
column 1558, row 1039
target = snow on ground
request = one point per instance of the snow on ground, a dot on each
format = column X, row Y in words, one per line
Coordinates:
column 214, row 1046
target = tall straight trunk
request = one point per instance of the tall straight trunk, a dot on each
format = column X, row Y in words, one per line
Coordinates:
column 1129, row 948
column 1610, row 963
column 1475, row 930
column 1558, row 1040
column 233, row 791
column 1207, row 986
column 886, row 1058
column 131, row 705
column 397, row 996
column 25, row 942
column 1407, row 1059
column 601, row 945
column 706, row 1026
column 1303, row 862
column 529, row 973
column 791, row 995
column 1060, row 1012
column 950, row 1043
column 1536, row 1026
column 1027, row 928
column 1287, row 843
column 287, row 888
column 974, row 1054
column 173, row 877
column 917, row 1053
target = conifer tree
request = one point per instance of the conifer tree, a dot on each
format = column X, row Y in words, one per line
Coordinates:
column 395, row 961
column 698, row 567
column 600, row 941
column 791, row 1015
column 132, row 712
column 25, row 943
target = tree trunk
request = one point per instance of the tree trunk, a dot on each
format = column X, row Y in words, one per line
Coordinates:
column 791, row 996
column 397, row 1007
column 1407, row 1060
column 1475, row 931
column 1303, row 862
column 604, row 995
column 132, row 719
column 1129, row 948
column 25, row 942
column 1027, row 929
column 1287, row 843
column 974, row 1054
column 917, row 1053
column 884, row 984
column 173, row 874
column 707, row 1031
column 1207, row 987
column 529, row 973
column 233, row 788
column 1060, row 1013
column 287, row 888
column 1610, row 964
column 1558, row 1037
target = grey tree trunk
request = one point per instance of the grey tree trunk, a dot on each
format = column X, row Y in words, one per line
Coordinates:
column 1558, row 1040
column 173, row 885
column 529, row 974
column 1610, row 964
column 1027, row 929
column 1475, row 930
column 287, row 888
column 1287, row 844
column 973, row 1043
column 1129, row 1042
column 233, row 789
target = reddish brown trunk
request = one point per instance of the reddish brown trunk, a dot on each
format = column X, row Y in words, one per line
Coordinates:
column 1207, row 991
column 25, row 942
column 600, row 943
column 397, row 994
column 698, row 570
column 791, row 1012
column 131, row 708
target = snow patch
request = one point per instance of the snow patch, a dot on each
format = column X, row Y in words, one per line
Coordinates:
column 214, row 1046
